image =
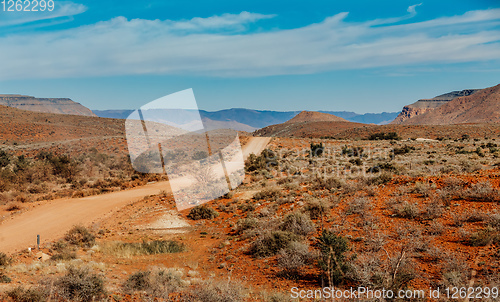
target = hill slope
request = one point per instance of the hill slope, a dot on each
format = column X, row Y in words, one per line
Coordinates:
column 425, row 105
column 483, row 106
column 47, row 105
column 306, row 124
column 350, row 130
column 27, row 130
column 311, row 116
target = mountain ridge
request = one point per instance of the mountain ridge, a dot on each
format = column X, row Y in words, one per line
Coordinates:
column 46, row 105
column 262, row 118
column 423, row 106
column 482, row 106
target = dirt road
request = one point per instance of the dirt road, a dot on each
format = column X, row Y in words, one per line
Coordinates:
column 255, row 145
column 54, row 218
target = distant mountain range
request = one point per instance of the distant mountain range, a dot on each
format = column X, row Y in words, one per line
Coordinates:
column 465, row 106
column 249, row 119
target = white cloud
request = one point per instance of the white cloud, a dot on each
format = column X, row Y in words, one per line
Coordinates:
column 61, row 9
column 224, row 21
column 411, row 9
column 203, row 46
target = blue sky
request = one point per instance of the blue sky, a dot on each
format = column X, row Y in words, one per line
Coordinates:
column 362, row 56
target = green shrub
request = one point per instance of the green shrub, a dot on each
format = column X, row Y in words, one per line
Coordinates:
column 316, row 149
column 202, row 212
column 384, row 136
column 264, row 161
column 403, row 150
column 352, row 151
column 64, row 166
column 382, row 167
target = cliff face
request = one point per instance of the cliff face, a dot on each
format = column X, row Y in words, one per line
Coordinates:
column 483, row 106
column 408, row 112
column 426, row 105
column 47, row 105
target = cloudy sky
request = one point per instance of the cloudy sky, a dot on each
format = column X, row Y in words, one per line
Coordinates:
column 362, row 56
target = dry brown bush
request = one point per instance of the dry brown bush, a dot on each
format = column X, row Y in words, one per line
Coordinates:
column 13, row 206
column 482, row 191
column 455, row 272
column 30, row 294
column 211, row 291
column 433, row 210
column 292, row 258
column 80, row 284
column 81, row 236
column 436, row 228
column 406, row 210
column 316, row 208
column 358, row 205
column 156, row 283
column 297, row 223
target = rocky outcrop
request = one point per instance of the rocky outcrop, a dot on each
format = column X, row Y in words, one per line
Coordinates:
column 483, row 106
column 408, row 112
column 47, row 105
column 426, row 105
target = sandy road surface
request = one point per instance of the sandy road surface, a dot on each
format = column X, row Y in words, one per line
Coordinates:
column 54, row 218
column 255, row 145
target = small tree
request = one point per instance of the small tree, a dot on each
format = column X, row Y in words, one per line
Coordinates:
column 317, row 149
column 333, row 260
